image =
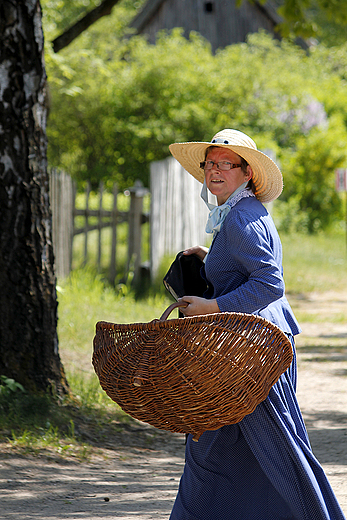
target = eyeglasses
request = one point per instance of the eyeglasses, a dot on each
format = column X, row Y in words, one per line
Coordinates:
column 223, row 165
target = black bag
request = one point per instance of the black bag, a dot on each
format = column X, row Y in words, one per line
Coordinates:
column 183, row 278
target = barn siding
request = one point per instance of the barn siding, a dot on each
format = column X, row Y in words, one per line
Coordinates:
column 224, row 25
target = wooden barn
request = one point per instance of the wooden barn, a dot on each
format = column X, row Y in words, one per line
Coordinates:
column 221, row 22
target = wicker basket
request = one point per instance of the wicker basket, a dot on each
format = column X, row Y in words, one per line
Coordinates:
column 193, row 374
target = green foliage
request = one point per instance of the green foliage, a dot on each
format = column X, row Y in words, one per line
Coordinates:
column 310, row 171
column 122, row 108
column 8, row 386
column 334, row 63
column 116, row 105
column 325, row 20
column 59, row 15
column 19, row 407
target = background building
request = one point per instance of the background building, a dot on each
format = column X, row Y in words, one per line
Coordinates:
column 221, row 22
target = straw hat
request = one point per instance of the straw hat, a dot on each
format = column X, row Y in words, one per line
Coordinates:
column 267, row 177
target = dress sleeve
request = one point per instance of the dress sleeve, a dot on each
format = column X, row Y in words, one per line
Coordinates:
column 252, row 245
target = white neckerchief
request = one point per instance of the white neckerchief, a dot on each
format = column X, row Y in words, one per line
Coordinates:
column 218, row 214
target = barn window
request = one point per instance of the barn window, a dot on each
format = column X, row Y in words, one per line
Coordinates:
column 208, row 7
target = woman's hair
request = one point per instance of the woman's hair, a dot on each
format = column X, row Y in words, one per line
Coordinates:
column 244, row 165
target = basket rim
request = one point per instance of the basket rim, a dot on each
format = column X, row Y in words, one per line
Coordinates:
column 156, row 324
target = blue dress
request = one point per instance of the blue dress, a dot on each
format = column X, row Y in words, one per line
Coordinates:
column 262, row 468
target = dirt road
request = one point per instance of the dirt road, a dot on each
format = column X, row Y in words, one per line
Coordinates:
column 136, row 477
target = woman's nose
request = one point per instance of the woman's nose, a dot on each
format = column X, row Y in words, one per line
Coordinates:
column 215, row 167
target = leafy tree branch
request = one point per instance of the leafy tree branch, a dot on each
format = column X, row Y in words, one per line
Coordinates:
column 104, row 9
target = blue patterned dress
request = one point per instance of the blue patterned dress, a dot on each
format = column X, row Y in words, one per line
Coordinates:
column 263, row 467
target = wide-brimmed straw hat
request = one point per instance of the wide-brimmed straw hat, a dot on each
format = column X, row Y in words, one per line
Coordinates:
column 267, row 177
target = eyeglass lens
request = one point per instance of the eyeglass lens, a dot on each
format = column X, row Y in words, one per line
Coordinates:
column 223, row 165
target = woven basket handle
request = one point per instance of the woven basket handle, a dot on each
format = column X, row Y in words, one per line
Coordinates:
column 169, row 310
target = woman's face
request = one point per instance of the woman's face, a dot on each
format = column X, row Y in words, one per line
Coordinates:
column 223, row 183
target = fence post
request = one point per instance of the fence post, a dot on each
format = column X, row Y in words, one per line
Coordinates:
column 101, row 191
column 62, row 199
column 86, row 228
column 137, row 193
column 74, row 193
column 113, row 267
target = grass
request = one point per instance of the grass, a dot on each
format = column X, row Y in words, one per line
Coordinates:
column 35, row 423
column 314, row 263
column 84, row 300
column 49, row 440
column 315, row 317
column 75, row 427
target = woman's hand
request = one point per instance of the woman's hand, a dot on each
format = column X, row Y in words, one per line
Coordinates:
column 199, row 251
column 198, row 306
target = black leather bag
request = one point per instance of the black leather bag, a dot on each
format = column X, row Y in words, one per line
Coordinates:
column 183, row 278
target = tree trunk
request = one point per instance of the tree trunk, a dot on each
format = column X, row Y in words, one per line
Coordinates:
column 28, row 304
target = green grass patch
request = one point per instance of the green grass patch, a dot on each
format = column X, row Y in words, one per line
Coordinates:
column 73, row 427
column 85, row 299
column 50, row 441
column 314, row 262
column 32, row 423
column 310, row 317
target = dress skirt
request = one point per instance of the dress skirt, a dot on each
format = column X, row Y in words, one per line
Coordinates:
column 262, row 468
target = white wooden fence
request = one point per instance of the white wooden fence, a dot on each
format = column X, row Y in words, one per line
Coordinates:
column 178, row 214
column 177, row 217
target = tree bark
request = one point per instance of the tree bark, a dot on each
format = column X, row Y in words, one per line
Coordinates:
column 75, row 30
column 28, row 303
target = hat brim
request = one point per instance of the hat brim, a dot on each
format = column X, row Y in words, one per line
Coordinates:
column 267, row 177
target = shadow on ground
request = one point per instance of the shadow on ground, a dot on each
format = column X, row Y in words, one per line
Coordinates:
column 327, row 431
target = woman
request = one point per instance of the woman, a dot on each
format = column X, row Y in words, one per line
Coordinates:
column 261, row 468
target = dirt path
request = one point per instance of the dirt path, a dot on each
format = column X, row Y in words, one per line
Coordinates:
column 137, row 477
column 322, row 384
column 128, row 482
